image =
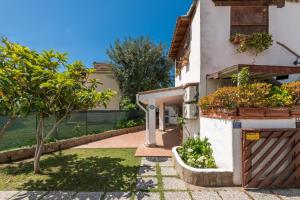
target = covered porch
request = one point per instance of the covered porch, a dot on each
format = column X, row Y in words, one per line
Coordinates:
column 273, row 74
column 154, row 103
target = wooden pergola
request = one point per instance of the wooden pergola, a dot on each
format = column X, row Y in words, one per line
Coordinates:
column 256, row 71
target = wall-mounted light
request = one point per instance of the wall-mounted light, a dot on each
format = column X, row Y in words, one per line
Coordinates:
column 297, row 61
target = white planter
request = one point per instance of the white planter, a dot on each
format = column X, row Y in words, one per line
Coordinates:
column 201, row 177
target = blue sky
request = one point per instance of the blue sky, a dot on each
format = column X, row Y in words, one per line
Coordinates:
column 85, row 28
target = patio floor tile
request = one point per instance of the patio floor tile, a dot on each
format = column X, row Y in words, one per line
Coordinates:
column 288, row 194
column 262, row 195
column 205, row 195
column 172, row 183
column 146, row 183
column 177, row 196
column 88, row 196
column 148, row 161
column 7, row 194
column 117, row 196
column 233, row 195
column 58, row 195
column 168, row 171
column 147, row 171
column 28, row 195
column 166, row 163
column 147, row 196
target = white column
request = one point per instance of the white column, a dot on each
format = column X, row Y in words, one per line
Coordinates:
column 150, row 132
column 162, row 117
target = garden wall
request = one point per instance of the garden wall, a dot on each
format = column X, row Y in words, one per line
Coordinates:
column 24, row 153
column 225, row 138
column 201, row 177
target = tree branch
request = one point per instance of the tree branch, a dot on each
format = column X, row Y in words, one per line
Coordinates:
column 55, row 125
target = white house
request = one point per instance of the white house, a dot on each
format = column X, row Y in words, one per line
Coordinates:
column 204, row 58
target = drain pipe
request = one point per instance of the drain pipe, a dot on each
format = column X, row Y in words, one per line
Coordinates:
column 144, row 109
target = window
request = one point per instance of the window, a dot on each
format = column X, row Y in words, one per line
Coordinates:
column 249, row 19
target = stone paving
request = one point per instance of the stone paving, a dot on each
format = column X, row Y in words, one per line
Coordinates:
column 157, row 180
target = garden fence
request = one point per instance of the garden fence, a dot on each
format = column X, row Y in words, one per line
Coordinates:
column 22, row 131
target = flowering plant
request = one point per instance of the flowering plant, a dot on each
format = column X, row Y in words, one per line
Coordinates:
column 198, row 153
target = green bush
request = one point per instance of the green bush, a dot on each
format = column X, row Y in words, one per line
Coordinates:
column 197, row 153
column 130, row 123
column 280, row 97
column 255, row 95
column 254, row 43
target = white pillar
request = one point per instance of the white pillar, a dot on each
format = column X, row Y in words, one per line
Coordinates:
column 150, row 132
column 162, row 117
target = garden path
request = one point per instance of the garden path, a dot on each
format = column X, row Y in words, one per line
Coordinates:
column 157, row 179
column 165, row 141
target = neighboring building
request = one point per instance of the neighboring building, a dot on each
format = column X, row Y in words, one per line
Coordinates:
column 203, row 54
column 104, row 74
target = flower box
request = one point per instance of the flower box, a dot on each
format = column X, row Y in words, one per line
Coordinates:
column 220, row 112
column 278, row 112
column 295, row 110
column 211, row 177
column 252, row 112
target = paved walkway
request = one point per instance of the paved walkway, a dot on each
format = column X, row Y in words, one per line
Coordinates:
column 165, row 141
column 157, row 180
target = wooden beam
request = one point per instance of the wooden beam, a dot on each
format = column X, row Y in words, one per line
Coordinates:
column 278, row 3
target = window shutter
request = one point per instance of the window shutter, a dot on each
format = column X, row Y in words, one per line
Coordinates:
column 249, row 19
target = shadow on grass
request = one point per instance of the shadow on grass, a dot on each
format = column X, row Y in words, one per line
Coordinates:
column 72, row 173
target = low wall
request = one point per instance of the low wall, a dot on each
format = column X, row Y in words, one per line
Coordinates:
column 24, row 153
column 225, row 138
column 201, row 177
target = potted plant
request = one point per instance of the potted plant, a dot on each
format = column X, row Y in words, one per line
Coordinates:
column 255, row 43
column 178, row 69
column 185, row 60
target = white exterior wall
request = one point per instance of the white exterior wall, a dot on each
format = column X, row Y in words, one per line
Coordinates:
column 226, row 141
column 191, row 73
column 218, row 53
column 172, row 114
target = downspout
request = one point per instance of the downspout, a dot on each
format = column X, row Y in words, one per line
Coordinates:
column 144, row 109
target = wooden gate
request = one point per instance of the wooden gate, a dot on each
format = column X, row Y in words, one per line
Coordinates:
column 271, row 158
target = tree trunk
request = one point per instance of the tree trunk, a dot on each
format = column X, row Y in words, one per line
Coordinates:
column 5, row 127
column 40, row 138
column 39, row 145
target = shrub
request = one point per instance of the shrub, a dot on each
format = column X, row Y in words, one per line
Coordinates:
column 254, row 95
column 242, row 78
column 294, row 89
column 225, row 97
column 126, row 104
column 198, row 153
column 130, row 123
column 280, row 97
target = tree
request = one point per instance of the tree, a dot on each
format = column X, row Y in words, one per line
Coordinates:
column 139, row 65
column 61, row 93
column 32, row 82
column 15, row 98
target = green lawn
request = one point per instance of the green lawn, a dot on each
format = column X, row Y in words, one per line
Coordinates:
column 75, row 170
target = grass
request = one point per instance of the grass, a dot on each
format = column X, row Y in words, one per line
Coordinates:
column 75, row 170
